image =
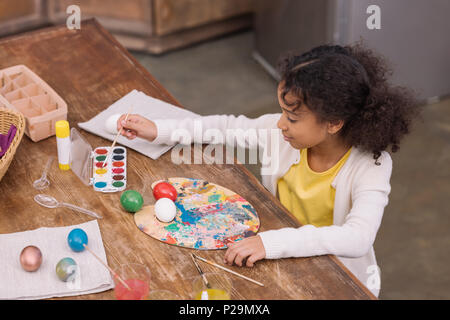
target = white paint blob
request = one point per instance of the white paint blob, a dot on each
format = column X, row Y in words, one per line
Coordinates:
column 165, row 210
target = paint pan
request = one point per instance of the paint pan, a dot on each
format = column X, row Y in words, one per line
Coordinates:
column 89, row 165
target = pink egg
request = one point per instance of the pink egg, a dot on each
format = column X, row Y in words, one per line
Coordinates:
column 31, row 258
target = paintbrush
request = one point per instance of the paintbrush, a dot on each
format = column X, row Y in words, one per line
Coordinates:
column 107, row 267
column 117, row 137
column 228, row 270
column 201, row 272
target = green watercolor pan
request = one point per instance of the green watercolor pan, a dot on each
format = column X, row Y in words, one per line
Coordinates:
column 89, row 164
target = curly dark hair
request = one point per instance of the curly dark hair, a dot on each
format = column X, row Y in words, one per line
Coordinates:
column 350, row 83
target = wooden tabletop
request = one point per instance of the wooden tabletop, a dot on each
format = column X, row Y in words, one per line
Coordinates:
column 90, row 70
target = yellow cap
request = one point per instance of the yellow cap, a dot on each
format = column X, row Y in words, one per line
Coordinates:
column 62, row 129
column 64, row 167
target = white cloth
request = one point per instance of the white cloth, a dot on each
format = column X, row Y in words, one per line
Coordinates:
column 362, row 190
column 144, row 105
column 16, row 283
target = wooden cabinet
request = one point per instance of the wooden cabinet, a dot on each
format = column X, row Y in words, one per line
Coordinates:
column 176, row 15
column 157, row 26
column 20, row 15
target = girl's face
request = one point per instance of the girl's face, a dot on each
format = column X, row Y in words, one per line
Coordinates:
column 301, row 127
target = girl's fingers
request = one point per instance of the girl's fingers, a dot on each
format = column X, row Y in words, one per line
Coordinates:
column 253, row 258
column 229, row 256
column 242, row 254
column 130, row 135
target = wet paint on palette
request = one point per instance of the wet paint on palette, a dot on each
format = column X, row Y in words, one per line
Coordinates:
column 208, row 217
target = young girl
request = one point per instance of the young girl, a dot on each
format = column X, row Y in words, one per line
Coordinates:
column 339, row 116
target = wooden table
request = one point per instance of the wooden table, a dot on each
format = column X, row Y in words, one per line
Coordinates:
column 90, row 70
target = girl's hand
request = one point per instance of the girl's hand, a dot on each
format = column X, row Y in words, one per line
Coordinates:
column 137, row 126
column 251, row 248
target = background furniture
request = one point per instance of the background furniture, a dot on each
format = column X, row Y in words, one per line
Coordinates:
column 155, row 26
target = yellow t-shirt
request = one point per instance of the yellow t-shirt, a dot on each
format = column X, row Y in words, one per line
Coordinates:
column 308, row 195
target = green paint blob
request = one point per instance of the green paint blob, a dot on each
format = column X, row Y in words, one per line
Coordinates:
column 172, row 227
column 214, row 198
column 118, row 184
column 100, row 158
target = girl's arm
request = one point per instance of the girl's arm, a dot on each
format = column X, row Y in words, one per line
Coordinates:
column 355, row 237
column 244, row 132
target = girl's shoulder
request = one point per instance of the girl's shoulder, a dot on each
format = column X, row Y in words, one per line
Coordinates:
column 366, row 158
column 361, row 167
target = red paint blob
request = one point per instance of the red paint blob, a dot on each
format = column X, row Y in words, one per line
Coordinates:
column 118, row 164
column 99, row 164
column 101, row 151
column 139, row 290
column 118, row 170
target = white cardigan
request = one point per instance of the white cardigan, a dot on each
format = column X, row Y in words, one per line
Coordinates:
column 362, row 190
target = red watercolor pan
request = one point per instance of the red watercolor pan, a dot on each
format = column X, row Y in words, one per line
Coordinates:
column 101, row 151
column 100, row 165
column 118, row 170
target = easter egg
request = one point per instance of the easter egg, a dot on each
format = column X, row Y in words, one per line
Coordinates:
column 111, row 123
column 66, row 269
column 31, row 258
column 165, row 190
column 131, row 201
column 165, row 210
column 76, row 239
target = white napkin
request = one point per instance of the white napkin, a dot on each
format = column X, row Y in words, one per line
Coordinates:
column 144, row 105
column 16, row 283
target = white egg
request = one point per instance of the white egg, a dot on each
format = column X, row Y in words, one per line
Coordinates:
column 165, row 210
column 111, row 123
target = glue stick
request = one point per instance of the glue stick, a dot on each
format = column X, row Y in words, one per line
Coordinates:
column 63, row 143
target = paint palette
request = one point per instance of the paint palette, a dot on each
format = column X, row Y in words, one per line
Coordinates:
column 208, row 217
column 91, row 168
column 22, row 90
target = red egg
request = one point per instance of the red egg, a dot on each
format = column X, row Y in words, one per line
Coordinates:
column 165, row 190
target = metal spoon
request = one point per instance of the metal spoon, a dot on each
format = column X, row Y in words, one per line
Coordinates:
column 43, row 182
column 50, row 202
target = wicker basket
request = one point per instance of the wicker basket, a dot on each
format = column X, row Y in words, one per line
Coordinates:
column 7, row 118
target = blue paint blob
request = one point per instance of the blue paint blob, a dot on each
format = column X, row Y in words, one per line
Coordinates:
column 76, row 239
column 100, row 184
column 187, row 215
column 198, row 244
column 249, row 208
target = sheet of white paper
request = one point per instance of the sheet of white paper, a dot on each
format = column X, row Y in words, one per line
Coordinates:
column 144, row 105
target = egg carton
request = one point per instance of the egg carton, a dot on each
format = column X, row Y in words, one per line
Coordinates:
column 22, row 90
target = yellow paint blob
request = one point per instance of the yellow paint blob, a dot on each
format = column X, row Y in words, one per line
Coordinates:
column 212, row 294
column 101, row 171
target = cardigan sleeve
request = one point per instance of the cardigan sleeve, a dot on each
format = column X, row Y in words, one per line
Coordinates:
column 216, row 129
column 355, row 237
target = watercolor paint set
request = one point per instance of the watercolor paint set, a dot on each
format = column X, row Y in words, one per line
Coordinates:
column 89, row 165
column 24, row 91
